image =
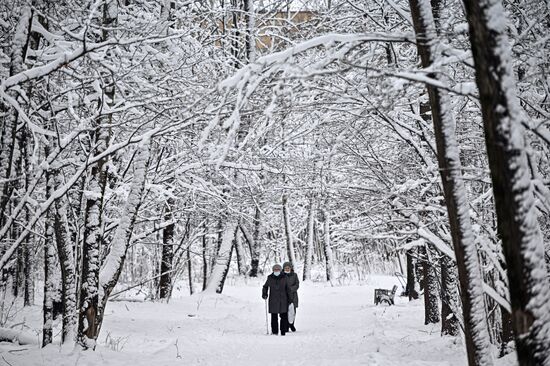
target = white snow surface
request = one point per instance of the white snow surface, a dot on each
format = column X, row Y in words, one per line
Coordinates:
column 335, row 326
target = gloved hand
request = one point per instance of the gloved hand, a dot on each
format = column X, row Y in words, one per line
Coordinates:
column 264, row 297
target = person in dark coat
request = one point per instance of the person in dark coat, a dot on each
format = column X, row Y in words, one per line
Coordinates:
column 279, row 299
column 294, row 285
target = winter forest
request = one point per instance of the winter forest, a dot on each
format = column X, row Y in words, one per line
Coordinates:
column 158, row 157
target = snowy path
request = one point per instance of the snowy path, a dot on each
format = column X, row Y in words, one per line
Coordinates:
column 336, row 326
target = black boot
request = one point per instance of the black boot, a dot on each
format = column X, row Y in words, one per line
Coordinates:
column 292, row 328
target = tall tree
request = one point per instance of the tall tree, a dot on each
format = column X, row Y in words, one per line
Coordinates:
column 89, row 303
column 450, row 168
column 518, row 227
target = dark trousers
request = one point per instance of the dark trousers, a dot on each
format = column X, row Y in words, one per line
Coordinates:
column 275, row 323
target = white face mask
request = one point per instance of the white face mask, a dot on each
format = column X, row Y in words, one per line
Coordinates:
column 277, row 273
column 287, row 271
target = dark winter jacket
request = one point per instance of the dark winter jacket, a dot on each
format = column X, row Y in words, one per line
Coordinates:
column 279, row 293
column 294, row 284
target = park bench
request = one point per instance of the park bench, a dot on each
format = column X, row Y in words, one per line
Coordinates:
column 385, row 295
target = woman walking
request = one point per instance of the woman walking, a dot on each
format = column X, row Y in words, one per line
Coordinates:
column 279, row 299
column 293, row 283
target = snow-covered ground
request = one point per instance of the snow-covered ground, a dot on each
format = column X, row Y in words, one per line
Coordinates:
column 335, row 326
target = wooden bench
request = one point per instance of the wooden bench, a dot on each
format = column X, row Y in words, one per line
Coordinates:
column 384, row 295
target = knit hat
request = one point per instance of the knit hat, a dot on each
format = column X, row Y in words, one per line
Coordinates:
column 277, row 266
column 288, row 264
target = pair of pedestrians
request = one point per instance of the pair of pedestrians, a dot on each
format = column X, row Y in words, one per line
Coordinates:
column 283, row 297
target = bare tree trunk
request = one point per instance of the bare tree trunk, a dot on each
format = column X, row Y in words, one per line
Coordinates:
column 49, row 270
column 28, row 273
column 239, row 251
column 49, row 288
column 190, row 271
column 410, row 290
column 449, row 298
column 165, row 282
column 89, row 301
column 89, row 285
column 288, row 232
column 114, row 262
column 250, row 21
column 204, row 258
column 255, row 244
column 518, row 227
column 507, row 333
column 326, row 245
column 65, row 254
column 310, row 234
column 223, row 259
column 218, row 243
column 431, row 306
column 28, row 297
column 450, row 168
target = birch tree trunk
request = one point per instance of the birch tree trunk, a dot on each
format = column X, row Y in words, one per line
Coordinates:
column 223, row 259
column 239, row 251
column 250, row 20
column 165, row 282
column 49, row 270
column 66, row 257
column 450, row 168
column 114, row 262
column 89, row 298
column 329, row 261
column 92, row 239
column 517, row 223
column 49, row 287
